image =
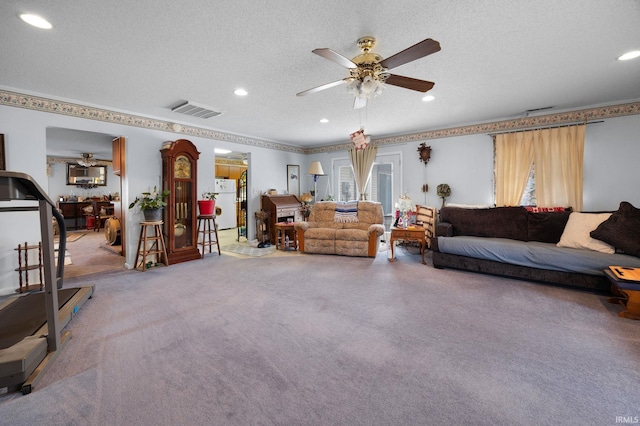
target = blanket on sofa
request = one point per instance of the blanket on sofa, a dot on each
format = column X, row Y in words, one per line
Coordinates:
column 534, row 254
column 346, row 212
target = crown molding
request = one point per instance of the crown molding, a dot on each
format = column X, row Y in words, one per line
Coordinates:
column 557, row 119
column 52, row 106
column 37, row 103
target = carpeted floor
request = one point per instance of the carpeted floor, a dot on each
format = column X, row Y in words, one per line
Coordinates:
column 315, row 340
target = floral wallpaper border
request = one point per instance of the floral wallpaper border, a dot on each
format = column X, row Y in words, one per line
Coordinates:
column 66, row 108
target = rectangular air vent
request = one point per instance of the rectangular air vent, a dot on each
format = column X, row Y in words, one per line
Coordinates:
column 195, row 110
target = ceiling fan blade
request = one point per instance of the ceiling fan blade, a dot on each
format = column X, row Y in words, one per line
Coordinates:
column 359, row 102
column 410, row 83
column 335, row 57
column 422, row 49
column 323, row 87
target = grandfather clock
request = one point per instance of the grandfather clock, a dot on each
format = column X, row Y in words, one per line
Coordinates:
column 179, row 176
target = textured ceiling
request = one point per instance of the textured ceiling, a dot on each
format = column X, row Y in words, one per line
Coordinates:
column 498, row 60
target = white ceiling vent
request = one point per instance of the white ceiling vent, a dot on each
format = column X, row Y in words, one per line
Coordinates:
column 195, row 110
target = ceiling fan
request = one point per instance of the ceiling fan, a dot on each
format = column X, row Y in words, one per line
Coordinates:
column 369, row 72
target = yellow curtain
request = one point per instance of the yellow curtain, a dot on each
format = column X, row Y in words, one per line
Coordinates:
column 362, row 162
column 514, row 156
column 559, row 159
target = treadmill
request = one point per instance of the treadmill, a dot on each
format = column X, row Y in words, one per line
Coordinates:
column 31, row 324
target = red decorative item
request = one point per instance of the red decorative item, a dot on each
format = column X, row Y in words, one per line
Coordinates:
column 206, row 207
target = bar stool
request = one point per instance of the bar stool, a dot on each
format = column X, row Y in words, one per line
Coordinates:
column 157, row 244
column 205, row 222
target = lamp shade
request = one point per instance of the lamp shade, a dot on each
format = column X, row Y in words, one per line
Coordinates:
column 315, row 169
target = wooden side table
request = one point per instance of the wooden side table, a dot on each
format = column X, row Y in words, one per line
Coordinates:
column 412, row 233
column 284, row 229
column 629, row 295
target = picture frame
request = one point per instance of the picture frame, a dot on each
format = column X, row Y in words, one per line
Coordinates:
column 293, row 179
column 3, row 164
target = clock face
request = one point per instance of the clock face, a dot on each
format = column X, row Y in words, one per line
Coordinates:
column 182, row 167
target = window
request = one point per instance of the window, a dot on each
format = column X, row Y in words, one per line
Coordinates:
column 384, row 185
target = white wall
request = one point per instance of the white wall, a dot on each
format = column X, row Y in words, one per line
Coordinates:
column 611, row 171
column 57, row 184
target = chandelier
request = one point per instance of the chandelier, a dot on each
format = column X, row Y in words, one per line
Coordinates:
column 87, row 160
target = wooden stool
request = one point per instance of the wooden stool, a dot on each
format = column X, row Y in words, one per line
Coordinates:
column 206, row 232
column 157, row 244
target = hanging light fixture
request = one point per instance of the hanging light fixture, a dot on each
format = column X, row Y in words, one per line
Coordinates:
column 87, row 160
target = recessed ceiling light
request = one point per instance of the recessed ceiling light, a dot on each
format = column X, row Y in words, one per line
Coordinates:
column 221, row 151
column 241, row 92
column 36, row 21
column 629, row 55
column 324, row 120
column 428, row 98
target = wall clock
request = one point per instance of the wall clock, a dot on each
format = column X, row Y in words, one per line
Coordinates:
column 425, row 153
column 179, row 176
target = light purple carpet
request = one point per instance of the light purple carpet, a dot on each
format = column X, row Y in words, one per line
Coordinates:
column 315, row 340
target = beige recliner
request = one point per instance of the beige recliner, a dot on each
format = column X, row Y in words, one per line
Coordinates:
column 328, row 233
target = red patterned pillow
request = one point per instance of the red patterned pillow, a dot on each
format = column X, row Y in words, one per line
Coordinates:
column 534, row 209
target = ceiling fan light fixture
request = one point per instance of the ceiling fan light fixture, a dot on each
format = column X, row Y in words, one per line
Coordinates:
column 428, row 98
column 367, row 88
column 87, row 160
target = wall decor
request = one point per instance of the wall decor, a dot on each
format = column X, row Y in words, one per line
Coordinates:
column 425, row 153
column 293, row 180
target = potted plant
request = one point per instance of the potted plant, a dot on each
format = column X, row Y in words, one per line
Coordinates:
column 207, row 204
column 443, row 191
column 151, row 203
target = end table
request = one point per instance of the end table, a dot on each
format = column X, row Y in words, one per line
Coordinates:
column 629, row 295
column 411, row 233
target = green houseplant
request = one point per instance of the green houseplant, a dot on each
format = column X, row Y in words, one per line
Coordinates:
column 151, row 203
column 443, row 190
column 207, row 204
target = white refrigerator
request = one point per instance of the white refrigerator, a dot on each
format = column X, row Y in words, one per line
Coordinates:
column 226, row 201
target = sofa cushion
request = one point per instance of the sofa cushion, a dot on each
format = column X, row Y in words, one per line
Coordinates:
column 498, row 222
column 546, row 227
column 579, row 226
column 320, row 234
column 621, row 230
column 356, row 225
column 326, row 224
column 370, row 212
column 352, row 235
column 323, row 211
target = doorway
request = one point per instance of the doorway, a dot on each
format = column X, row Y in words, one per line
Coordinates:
column 88, row 250
column 232, row 201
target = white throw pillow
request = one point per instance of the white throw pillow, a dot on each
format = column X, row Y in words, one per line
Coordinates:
column 576, row 232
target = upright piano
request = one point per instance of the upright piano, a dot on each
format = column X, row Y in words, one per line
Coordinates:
column 281, row 208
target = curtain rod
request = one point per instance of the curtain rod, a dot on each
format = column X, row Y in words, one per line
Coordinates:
column 547, row 127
